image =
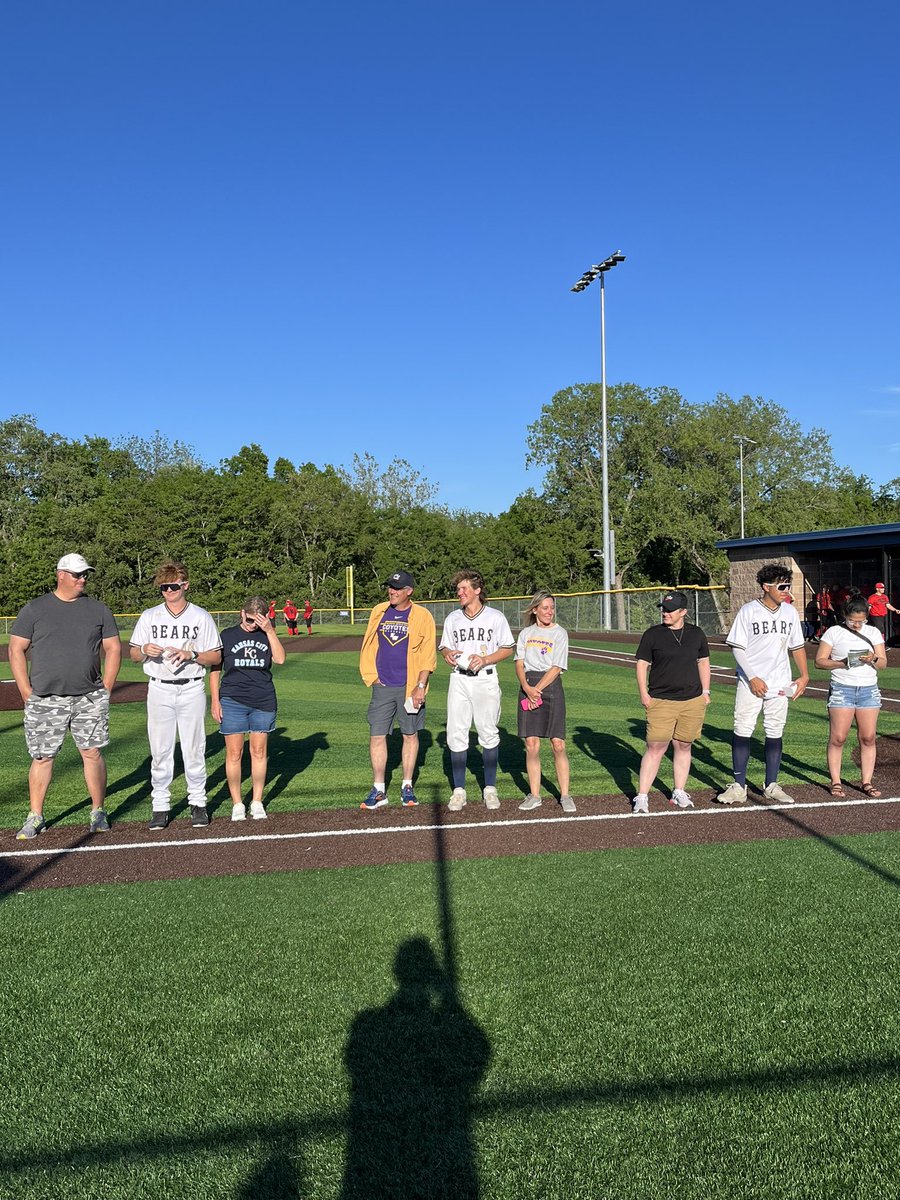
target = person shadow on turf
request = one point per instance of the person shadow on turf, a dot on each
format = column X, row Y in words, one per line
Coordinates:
column 278, row 1175
column 415, row 1064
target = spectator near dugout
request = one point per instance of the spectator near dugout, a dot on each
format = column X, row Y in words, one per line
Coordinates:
column 879, row 607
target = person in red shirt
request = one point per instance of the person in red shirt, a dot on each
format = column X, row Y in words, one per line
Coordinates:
column 879, row 606
column 826, row 609
column 307, row 617
column 290, row 616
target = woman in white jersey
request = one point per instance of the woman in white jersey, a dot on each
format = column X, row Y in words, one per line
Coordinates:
column 542, row 654
column 853, row 652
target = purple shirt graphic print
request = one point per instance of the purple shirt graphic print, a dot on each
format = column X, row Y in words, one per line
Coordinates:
column 393, row 647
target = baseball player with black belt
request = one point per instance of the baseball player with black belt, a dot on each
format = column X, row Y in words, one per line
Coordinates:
column 176, row 641
column 474, row 639
column 765, row 635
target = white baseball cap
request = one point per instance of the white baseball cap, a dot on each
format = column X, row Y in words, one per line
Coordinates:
column 73, row 562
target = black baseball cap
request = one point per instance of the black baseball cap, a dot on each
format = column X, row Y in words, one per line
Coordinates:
column 400, row 579
column 672, row 601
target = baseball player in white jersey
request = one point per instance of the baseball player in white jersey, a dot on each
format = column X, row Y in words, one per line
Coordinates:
column 764, row 636
column 176, row 641
column 474, row 639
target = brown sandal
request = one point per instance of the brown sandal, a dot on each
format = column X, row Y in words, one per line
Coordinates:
column 869, row 789
column 837, row 790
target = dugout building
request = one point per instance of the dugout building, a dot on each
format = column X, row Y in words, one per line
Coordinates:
column 828, row 559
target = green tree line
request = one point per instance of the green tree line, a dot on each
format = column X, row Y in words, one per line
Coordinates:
column 291, row 530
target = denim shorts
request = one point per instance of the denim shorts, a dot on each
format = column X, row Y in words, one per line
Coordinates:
column 240, row 718
column 842, row 695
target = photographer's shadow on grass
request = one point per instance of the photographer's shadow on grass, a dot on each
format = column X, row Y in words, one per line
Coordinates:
column 278, row 1177
column 415, row 1064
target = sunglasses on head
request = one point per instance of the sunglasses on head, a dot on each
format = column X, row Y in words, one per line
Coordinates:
column 171, row 587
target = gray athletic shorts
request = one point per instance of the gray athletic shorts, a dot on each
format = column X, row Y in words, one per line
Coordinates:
column 386, row 706
column 48, row 717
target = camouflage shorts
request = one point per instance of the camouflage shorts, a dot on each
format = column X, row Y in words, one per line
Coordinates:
column 48, row 717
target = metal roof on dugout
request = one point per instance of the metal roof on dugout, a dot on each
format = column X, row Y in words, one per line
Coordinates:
column 856, row 557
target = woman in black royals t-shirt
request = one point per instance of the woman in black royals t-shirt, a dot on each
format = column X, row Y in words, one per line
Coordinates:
column 243, row 700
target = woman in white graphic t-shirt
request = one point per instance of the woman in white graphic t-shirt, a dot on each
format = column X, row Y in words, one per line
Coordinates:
column 853, row 652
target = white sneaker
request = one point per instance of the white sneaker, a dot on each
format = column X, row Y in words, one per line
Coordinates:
column 457, row 800
column 530, row 803
column 735, row 793
column 681, row 799
column 238, row 812
column 776, row 792
column 567, row 804
column 640, row 805
column 491, row 799
column 258, row 810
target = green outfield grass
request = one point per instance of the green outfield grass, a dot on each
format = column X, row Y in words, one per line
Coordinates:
column 319, row 752
column 691, row 1022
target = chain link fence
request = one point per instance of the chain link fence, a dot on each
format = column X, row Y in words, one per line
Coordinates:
column 631, row 611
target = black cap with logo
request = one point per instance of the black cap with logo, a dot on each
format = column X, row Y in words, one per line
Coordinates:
column 672, row 601
column 400, row 579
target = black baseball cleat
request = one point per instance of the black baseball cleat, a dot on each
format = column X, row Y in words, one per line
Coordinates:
column 159, row 820
column 199, row 816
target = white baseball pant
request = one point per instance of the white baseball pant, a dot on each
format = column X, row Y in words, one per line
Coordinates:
column 746, row 712
column 473, row 698
column 177, row 708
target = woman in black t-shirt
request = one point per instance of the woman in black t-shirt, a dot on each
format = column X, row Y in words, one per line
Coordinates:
column 243, row 701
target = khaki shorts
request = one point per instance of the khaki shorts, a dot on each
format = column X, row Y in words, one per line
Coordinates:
column 47, row 718
column 679, row 719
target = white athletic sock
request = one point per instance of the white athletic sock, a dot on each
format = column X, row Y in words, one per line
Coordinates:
column 407, row 783
column 379, row 785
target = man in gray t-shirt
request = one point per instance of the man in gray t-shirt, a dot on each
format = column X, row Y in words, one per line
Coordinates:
column 66, row 632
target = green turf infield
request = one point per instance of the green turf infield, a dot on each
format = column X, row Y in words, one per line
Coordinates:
column 720, row 1020
column 319, row 752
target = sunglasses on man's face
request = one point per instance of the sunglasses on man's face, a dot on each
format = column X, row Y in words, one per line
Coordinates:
column 782, row 587
column 79, row 574
column 170, row 587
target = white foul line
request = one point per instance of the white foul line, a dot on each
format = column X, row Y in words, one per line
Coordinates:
column 449, row 827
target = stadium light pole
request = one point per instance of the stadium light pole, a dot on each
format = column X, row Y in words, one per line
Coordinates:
column 595, row 272
column 740, row 438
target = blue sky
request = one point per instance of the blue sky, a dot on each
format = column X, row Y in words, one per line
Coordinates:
column 332, row 229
